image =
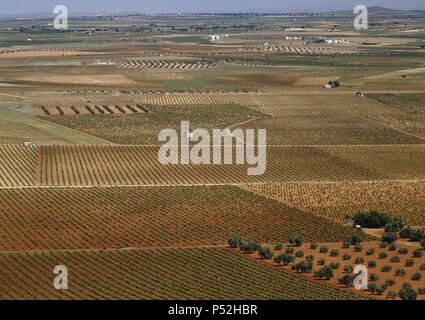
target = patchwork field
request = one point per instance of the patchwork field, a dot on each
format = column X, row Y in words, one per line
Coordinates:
column 81, row 183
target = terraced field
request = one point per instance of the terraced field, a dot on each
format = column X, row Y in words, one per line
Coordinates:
column 204, row 273
column 340, row 201
column 96, row 218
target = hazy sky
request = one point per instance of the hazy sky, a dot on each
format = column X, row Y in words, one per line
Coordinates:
column 174, row 6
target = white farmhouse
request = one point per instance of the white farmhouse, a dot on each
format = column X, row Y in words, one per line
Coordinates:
column 214, row 38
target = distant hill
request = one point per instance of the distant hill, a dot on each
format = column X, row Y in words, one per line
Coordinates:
column 381, row 11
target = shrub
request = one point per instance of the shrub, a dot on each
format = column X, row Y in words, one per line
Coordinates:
column 395, row 259
column 325, row 272
column 233, row 242
column 394, row 226
column 347, row 280
column 372, row 219
column 265, row 253
column 370, row 252
column 392, row 247
column 407, row 292
column 417, row 235
column 416, row 276
column 354, row 239
column 383, row 255
column 423, row 244
column 389, row 237
column 334, row 265
column 422, row 267
column 418, row 253
column 372, row 264
column 400, row 272
column 386, row 268
column 334, row 253
column 346, row 245
column 348, row 268
column 278, row 247
column 359, row 260
column 421, row 291
column 299, row 254
column 247, row 247
column 383, row 245
column 296, row 240
column 313, row 246
column 309, row 258
column 323, row 249
column 390, row 282
column 321, row 261
column 346, row 256
column 373, row 277
column 409, row 263
column 289, row 250
column 284, row 259
column 303, row 267
column 391, row 295
column 406, row 232
column 358, row 248
column 403, row 251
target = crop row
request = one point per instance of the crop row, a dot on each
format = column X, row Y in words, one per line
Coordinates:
column 95, row 218
column 340, row 201
column 205, row 273
column 18, row 165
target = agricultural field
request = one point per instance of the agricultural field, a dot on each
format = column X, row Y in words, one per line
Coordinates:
column 121, row 165
column 139, row 217
column 340, row 201
column 384, row 264
column 200, row 273
column 82, row 184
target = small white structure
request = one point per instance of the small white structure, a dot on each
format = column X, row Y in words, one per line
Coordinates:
column 337, row 41
column 104, row 63
column 28, row 144
column 214, row 38
column 328, row 86
column 359, row 94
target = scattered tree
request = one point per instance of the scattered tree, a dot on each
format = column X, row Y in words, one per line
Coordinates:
column 407, row 292
column 265, row 253
column 389, row 237
column 325, row 272
column 334, row 253
column 233, row 242
column 416, row 276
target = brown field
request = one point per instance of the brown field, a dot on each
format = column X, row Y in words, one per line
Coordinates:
column 139, row 165
column 91, row 193
column 96, row 218
column 18, row 165
column 380, row 262
column 329, row 130
column 200, row 273
column 340, row 201
column 90, row 79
